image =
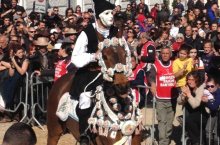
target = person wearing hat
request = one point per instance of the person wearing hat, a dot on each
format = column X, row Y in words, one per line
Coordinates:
column 44, row 60
column 85, row 57
column 71, row 35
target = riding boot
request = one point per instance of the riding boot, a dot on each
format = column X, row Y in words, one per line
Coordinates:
column 84, row 115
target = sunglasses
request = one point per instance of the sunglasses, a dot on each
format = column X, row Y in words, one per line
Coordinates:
column 179, row 37
column 167, row 23
column 40, row 47
column 86, row 18
column 210, row 86
column 199, row 23
column 32, row 31
column 195, row 30
column 193, row 52
column 136, row 28
column 130, row 32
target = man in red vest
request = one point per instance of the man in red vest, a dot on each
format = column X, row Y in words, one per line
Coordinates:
column 163, row 82
column 147, row 54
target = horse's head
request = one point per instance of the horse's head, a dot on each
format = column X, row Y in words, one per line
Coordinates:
column 115, row 107
column 115, row 62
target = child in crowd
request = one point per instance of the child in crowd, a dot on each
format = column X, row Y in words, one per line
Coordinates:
column 182, row 65
column 197, row 62
column 212, row 100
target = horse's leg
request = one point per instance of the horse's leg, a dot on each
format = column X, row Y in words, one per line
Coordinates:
column 55, row 130
column 73, row 127
column 54, row 125
column 102, row 140
column 136, row 139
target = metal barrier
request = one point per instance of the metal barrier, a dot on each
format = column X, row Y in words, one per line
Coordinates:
column 184, row 136
column 151, row 127
column 210, row 132
column 22, row 101
column 212, row 123
column 39, row 95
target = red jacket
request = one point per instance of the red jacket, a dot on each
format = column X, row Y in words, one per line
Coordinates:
column 153, row 13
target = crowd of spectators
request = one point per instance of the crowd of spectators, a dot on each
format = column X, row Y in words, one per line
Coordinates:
column 43, row 43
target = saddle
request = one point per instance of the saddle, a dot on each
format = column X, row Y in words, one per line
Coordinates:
column 67, row 108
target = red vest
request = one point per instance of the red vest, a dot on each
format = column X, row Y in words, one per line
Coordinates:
column 144, row 52
column 61, row 69
column 165, row 80
column 135, row 90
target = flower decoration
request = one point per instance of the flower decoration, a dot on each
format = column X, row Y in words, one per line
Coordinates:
column 100, row 46
column 106, row 43
column 110, row 72
column 115, row 41
column 99, row 113
column 119, row 67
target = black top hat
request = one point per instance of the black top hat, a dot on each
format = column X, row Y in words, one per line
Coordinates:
column 101, row 6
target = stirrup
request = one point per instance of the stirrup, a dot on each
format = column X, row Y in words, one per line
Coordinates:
column 84, row 139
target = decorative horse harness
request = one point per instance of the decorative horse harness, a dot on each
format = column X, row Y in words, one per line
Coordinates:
column 107, row 121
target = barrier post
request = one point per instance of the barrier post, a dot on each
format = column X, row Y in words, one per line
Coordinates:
column 153, row 119
column 21, row 102
column 201, row 130
column 183, row 128
column 26, row 108
column 40, row 103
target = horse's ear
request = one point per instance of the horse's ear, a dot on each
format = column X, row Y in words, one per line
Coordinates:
column 119, row 22
column 120, row 33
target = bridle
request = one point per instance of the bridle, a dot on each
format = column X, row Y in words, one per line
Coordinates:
column 103, row 120
column 108, row 73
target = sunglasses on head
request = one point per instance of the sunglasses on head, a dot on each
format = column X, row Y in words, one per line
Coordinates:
column 210, row 86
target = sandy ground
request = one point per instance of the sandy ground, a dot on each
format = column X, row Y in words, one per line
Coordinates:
column 68, row 139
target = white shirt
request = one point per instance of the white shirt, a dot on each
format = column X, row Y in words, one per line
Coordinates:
column 80, row 57
column 201, row 33
column 174, row 31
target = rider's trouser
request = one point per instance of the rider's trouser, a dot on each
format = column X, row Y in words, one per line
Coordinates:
column 83, row 115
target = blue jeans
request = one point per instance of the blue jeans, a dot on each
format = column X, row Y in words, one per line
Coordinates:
column 9, row 88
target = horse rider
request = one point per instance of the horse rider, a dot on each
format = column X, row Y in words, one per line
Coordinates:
column 85, row 57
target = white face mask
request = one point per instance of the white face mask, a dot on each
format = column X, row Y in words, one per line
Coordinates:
column 106, row 18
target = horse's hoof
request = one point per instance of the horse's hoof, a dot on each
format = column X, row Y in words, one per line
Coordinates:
column 146, row 132
column 84, row 140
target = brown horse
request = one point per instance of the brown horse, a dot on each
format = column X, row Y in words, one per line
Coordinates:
column 111, row 56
